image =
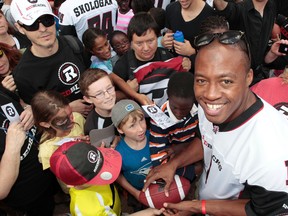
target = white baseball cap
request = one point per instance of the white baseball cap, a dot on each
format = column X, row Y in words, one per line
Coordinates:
column 28, row 11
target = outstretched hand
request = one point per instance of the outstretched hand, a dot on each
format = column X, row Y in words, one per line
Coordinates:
column 182, row 208
column 165, row 172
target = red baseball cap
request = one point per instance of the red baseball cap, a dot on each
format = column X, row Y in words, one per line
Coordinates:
column 77, row 163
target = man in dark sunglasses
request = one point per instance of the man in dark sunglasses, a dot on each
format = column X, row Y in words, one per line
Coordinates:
column 51, row 62
column 244, row 174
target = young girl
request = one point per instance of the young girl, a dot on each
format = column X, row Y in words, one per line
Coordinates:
column 124, row 15
column 119, row 42
column 54, row 118
column 95, row 42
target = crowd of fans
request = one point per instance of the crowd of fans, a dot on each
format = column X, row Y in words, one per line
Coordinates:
column 69, row 68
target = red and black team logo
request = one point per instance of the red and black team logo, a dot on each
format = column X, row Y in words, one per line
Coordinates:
column 69, row 73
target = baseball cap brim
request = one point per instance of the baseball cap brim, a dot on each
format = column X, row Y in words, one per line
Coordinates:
column 77, row 163
column 36, row 15
column 111, row 167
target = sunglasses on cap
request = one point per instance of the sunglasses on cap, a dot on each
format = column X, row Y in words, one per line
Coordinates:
column 228, row 37
column 46, row 20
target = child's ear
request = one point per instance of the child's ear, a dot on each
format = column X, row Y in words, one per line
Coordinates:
column 120, row 131
column 44, row 124
column 87, row 100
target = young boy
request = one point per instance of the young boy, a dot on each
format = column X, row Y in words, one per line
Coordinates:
column 91, row 171
column 97, row 88
column 181, row 109
column 129, row 120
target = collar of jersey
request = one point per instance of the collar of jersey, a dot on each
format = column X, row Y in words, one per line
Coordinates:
column 243, row 118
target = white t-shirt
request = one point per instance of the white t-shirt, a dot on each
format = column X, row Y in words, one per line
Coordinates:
column 86, row 14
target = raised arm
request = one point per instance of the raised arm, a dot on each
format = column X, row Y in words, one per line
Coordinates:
column 10, row 162
column 273, row 53
column 127, row 90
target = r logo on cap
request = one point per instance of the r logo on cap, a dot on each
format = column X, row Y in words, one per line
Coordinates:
column 92, row 156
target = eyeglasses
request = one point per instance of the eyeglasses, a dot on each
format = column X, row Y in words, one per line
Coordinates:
column 100, row 95
column 46, row 20
column 228, row 37
column 121, row 45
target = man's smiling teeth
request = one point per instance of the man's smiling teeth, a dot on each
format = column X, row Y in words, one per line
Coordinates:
column 214, row 106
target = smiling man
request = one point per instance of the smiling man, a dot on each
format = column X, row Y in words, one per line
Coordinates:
column 244, row 139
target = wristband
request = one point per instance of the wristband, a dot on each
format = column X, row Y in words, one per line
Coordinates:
column 203, row 207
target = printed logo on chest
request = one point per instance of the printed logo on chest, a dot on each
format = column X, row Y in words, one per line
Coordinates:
column 68, row 73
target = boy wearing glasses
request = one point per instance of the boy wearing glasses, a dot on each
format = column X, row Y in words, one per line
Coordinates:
column 98, row 89
column 50, row 62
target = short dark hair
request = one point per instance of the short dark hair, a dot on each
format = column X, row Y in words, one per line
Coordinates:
column 140, row 23
column 89, row 37
column 113, row 34
column 181, row 85
column 90, row 76
column 159, row 16
column 141, row 5
column 212, row 23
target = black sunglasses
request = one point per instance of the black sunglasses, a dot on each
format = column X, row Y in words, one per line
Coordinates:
column 228, row 37
column 46, row 20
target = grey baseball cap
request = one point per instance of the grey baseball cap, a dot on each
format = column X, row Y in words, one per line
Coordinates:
column 122, row 109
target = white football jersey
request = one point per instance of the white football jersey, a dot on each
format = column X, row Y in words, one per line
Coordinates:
column 84, row 14
column 250, row 150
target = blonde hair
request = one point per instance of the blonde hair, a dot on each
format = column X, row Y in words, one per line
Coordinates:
column 134, row 114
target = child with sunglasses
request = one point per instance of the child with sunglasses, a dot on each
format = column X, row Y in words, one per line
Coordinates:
column 55, row 120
